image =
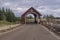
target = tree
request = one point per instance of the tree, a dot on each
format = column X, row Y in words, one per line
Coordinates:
column 51, row 16
column 29, row 17
column 2, row 16
column 7, row 15
column 45, row 16
column 10, row 16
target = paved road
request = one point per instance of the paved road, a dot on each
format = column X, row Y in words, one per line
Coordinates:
column 28, row 32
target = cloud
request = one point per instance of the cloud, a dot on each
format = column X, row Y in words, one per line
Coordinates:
column 46, row 10
column 6, row 4
column 43, row 6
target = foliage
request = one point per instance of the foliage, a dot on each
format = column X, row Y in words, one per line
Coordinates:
column 18, row 19
column 48, row 16
column 8, row 15
column 29, row 17
column 2, row 16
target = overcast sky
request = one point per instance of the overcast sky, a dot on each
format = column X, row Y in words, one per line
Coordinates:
column 43, row 6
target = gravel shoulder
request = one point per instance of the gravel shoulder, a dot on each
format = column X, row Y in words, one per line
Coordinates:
column 8, row 27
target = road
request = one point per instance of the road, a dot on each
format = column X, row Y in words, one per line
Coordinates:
column 28, row 32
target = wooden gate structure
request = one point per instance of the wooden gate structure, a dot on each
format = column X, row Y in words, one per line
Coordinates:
column 31, row 11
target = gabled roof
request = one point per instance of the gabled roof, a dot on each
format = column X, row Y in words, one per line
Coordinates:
column 33, row 10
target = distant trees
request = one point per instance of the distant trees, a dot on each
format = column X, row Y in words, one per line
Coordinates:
column 29, row 17
column 49, row 17
column 7, row 15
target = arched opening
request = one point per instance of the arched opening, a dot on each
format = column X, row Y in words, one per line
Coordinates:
column 31, row 18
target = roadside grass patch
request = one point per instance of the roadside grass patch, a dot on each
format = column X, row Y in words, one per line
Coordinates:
column 3, row 23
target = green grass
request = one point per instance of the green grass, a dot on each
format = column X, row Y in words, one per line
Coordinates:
column 5, row 23
column 32, row 20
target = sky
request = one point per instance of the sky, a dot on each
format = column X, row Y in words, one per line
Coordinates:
column 45, row 7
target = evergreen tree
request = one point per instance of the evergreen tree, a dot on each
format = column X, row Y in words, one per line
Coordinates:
column 2, row 16
column 7, row 15
column 10, row 16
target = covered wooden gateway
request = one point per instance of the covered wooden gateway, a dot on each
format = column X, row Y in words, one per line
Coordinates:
column 31, row 11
